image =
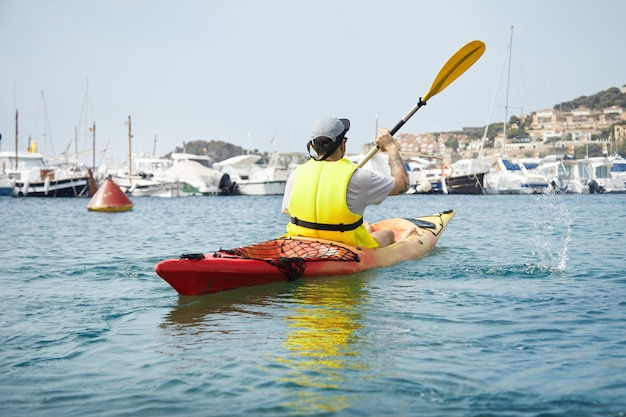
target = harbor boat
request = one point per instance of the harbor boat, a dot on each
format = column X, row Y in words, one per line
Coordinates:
column 160, row 177
column 179, row 176
column 200, row 175
column 291, row 258
column 466, row 184
column 564, row 175
column 425, row 175
column 598, row 175
column 139, row 179
column 466, row 176
column 148, row 167
column 137, row 186
column 261, row 186
column 618, row 170
column 144, row 179
column 255, row 178
column 6, row 186
column 246, row 171
column 198, row 179
column 32, row 176
column 593, row 175
column 514, row 177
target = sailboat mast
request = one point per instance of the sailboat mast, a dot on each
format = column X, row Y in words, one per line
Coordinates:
column 44, row 141
column 506, row 105
column 130, row 160
column 86, row 129
column 93, row 147
column 16, row 116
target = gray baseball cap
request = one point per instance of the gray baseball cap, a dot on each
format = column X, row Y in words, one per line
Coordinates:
column 329, row 128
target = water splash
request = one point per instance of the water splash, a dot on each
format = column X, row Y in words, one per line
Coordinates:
column 552, row 228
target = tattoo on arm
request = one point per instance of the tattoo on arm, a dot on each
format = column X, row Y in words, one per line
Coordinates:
column 398, row 169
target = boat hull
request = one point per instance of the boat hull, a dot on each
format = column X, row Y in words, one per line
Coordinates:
column 194, row 274
column 155, row 189
column 466, row 184
column 261, row 187
column 71, row 187
column 6, row 187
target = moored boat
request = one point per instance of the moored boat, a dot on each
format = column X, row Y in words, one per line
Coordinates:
column 32, row 176
column 618, row 170
column 600, row 179
column 563, row 174
column 466, row 176
column 143, row 179
column 513, row 177
column 6, row 187
column 254, row 178
column 290, row 258
column 591, row 175
column 137, row 186
column 199, row 179
column 466, row 184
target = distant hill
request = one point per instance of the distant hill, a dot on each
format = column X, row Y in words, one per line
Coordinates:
column 217, row 150
column 599, row 101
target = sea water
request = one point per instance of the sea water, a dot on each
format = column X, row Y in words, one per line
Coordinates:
column 519, row 311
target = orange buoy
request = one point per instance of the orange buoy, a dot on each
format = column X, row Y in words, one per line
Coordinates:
column 109, row 197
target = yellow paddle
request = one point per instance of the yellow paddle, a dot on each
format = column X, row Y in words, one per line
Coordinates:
column 456, row 65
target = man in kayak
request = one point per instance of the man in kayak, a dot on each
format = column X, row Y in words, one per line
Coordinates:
column 326, row 196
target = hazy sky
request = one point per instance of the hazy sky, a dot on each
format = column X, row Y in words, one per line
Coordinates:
column 248, row 71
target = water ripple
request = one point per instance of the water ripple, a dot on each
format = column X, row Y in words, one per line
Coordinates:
column 517, row 312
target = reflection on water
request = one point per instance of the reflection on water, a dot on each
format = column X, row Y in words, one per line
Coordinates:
column 323, row 342
column 317, row 322
column 195, row 311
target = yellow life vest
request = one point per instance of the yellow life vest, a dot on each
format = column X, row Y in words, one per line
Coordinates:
column 318, row 206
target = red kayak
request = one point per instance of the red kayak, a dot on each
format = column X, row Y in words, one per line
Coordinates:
column 290, row 258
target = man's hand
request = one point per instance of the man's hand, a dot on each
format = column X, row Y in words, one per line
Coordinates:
column 385, row 141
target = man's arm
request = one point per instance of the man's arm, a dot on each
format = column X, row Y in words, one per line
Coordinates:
column 398, row 170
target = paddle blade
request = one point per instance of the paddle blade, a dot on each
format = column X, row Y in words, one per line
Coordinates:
column 456, row 65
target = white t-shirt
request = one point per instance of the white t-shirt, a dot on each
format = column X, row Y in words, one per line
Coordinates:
column 366, row 188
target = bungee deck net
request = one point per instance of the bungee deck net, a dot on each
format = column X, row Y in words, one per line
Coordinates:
column 294, row 248
column 291, row 255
